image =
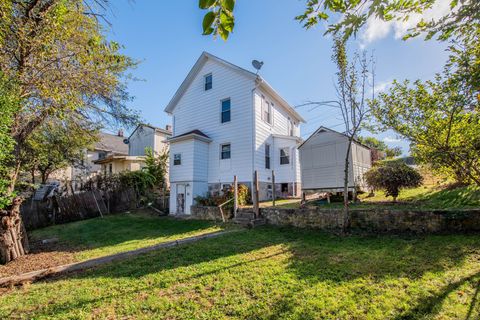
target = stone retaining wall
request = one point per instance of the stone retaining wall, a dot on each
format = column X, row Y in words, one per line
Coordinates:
column 378, row 220
column 206, row 213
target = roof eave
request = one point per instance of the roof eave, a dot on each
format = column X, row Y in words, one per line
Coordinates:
column 188, row 137
column 267, row 87
column 193, row 72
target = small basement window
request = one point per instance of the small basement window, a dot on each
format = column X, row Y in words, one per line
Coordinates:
column 177, row 159
column 284, row 156
column 284, row 187
column 208, row 82
column 225, row 151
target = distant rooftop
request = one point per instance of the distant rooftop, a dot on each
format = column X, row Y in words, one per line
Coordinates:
column 112, row 143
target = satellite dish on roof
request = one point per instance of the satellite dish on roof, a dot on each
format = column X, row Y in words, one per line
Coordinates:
column 257, row 65
column 126, row 141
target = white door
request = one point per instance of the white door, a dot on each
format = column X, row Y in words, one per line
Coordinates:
column 181, row 193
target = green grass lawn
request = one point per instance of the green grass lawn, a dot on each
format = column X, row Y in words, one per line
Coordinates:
column 120, row 232
column 271, row 273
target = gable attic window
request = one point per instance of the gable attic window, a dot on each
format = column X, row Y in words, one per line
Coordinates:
column 226, row 110
column 284, row 156
column 177, row 159
column 208, row 81
column 266, row 110
column 225, row 151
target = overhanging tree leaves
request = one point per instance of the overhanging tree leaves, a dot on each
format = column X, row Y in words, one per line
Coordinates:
column 347, row 17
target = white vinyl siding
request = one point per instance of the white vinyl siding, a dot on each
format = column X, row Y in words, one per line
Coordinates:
column 198, row 110
column 264, row 135
column 323, row 161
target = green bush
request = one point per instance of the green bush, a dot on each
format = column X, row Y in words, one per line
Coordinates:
column 216, row 200
column 392, row 176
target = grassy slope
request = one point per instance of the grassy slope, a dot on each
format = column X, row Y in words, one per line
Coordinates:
column 419, row 198
column 121, row 232
column 430, row 197
column 271, row 273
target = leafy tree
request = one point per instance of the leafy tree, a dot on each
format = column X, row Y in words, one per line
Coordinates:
column 8, row 107
column 157, row 166
column 441, row 117
column 392, row 176
column 376, row 144
column 219, row 20
column 56, row 145
column 57, row 53
column 353, row 79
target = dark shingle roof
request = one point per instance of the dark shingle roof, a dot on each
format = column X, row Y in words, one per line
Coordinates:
column 112, row 143
column 197, row 132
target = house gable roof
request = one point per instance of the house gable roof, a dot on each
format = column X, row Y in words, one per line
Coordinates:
column 204, row 57
column 166, row 132
column 325, row 129
column 111, row 143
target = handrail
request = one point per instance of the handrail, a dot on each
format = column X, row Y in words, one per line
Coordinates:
column 221, row 210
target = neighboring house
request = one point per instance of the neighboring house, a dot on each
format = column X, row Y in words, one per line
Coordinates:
column 322, row 158
column 147, row 136
column 108, row 144
column 228, row 121
column 144, row 136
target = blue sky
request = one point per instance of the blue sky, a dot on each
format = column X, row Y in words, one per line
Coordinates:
column 166, row 37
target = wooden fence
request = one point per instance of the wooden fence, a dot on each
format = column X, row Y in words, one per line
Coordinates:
column 89, row 204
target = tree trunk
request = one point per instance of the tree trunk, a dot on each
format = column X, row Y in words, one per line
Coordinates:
column 346, row 220
column 13, row 236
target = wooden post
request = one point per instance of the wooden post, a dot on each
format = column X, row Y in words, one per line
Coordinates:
column 235, row 196
column 96, row 202
column 256, row 205
column 273, row 188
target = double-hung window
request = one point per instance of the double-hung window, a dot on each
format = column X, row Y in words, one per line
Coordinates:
column 226, row 107
column 284, row 156
column 267, row 156
column 208, row 82
column 225, row 151
column 177, row 159
column 266, row 111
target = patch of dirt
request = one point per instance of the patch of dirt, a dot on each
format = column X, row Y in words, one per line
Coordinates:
column 41, row 256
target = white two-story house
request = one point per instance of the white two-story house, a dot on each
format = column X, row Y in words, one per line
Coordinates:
column 228, row 121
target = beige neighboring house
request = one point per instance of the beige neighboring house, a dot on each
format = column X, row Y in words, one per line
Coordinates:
column 144, row 136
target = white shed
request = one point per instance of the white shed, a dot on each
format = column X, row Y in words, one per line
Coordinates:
column 322, row 160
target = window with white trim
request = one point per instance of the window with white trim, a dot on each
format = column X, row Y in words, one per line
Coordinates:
column 177, row 159
column 226, row 107
column 266, row 110
column 284, row 156
column 208, row 82
column 225, row 151
column 267, row 156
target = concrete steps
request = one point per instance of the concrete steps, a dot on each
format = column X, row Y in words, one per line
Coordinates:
column 247, row 219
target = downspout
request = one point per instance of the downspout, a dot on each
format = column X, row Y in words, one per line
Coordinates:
column 254, row 118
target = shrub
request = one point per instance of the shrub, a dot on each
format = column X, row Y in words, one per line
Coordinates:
column 392, row 176
column 216, row 200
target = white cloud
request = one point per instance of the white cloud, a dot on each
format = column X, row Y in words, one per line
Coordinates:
column 391, row 140
column 382, row 86
column 376, row 29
